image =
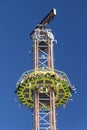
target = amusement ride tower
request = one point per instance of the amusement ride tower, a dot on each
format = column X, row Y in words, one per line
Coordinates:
column 43, row 88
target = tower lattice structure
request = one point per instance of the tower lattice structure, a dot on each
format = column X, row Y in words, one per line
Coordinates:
column 43, row 89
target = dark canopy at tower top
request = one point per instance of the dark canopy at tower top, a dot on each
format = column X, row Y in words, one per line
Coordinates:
column 46, row 20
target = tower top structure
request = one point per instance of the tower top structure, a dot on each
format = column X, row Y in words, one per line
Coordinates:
column 45, row 21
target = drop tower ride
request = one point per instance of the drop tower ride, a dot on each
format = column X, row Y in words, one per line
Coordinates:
column 43, row 89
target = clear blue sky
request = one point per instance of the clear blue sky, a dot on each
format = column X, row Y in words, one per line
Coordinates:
column 17, row 19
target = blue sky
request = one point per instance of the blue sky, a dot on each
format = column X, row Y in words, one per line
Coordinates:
column 17, row 20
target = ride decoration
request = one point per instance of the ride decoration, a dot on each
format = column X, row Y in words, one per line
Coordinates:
column 42, row 81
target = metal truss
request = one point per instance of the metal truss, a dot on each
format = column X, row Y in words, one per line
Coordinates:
column 44, row 103
column 44, row 118
column 43, row 48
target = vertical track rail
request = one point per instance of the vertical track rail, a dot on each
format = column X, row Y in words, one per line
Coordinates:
column 36, row 110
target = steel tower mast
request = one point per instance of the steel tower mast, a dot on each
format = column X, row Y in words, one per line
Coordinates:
column 43, row 89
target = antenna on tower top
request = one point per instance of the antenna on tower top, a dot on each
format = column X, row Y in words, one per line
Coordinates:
column 46, row 20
